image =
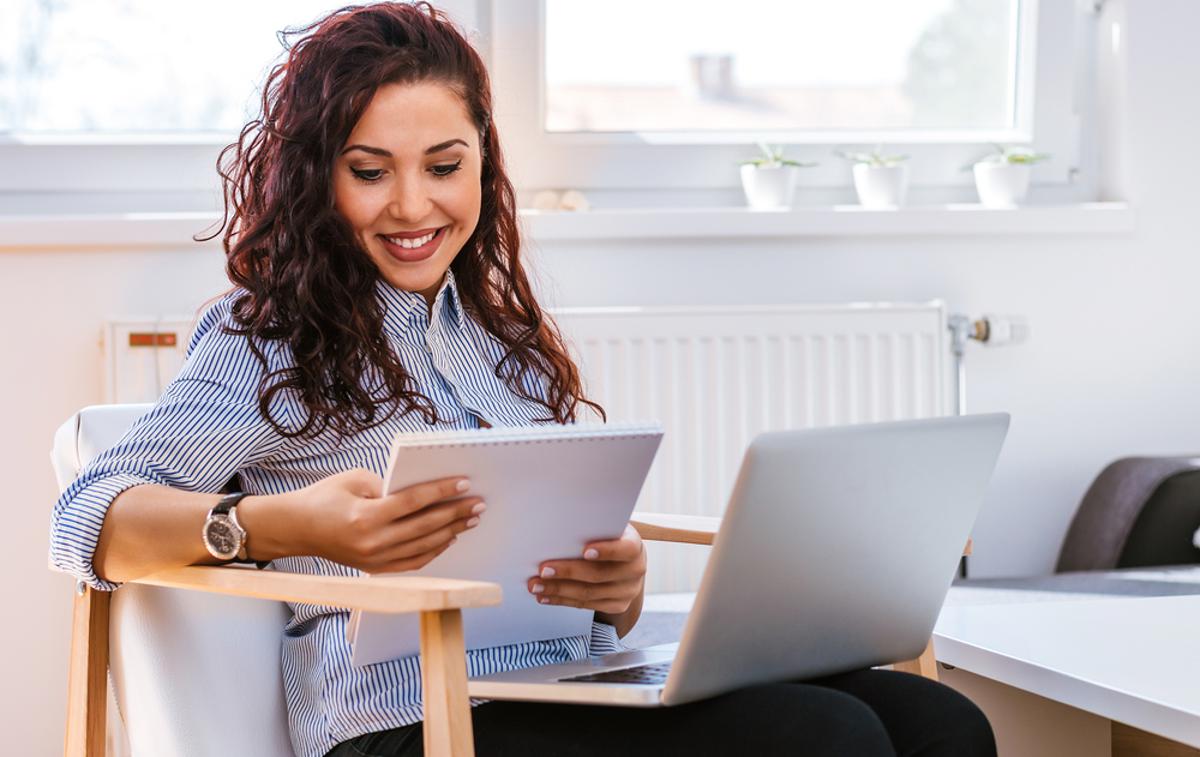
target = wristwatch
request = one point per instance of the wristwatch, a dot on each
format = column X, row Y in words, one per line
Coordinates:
column 223, row 535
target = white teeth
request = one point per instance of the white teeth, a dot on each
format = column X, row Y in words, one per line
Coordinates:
column 409, row 244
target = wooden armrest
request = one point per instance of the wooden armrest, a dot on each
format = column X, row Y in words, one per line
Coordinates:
column 689, row 529
column 447, row 731
column 686, row 529
column 377, row 594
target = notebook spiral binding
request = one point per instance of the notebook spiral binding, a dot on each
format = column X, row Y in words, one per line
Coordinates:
column 577, row 432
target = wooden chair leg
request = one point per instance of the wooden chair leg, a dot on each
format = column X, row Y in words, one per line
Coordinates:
column 444, row 678
column 87, row 677
column 925, row 665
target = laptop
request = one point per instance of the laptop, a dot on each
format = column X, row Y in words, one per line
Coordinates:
column 835, row 553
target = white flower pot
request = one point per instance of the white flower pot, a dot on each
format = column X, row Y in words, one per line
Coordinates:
column 881, row 186
column 769, row 188
column 1001, row 185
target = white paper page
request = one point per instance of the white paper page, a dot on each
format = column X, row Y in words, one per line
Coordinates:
column 549, row 491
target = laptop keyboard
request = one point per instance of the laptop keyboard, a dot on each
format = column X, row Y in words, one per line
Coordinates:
column 653, row 674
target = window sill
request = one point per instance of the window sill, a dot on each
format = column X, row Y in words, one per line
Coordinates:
column 829, row 221
column 172, row 230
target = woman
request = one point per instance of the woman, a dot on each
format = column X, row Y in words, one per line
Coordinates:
column 371, row 237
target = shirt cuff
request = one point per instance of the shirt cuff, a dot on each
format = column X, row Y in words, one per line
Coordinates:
column 604, row 640
column 79, row 516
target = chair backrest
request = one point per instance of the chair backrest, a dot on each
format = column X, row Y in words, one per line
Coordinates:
column 193, row 673
column 1138, row 511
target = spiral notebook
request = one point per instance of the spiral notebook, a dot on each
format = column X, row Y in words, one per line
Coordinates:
column 549, row 491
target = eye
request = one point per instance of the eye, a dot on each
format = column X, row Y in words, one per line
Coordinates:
column 368, row 175
column 446, row 169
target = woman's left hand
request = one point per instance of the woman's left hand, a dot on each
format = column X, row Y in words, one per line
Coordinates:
column 608, row 579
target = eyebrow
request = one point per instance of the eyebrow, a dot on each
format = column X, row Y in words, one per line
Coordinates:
column 429, row 151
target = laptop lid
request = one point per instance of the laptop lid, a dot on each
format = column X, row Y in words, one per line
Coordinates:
column 836, row 551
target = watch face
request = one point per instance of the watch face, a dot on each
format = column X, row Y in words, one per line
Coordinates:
column 222, row 538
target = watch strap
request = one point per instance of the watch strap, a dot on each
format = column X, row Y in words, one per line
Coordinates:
column 228, row 502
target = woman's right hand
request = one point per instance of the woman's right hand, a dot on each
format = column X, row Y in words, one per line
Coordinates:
column 345, row 520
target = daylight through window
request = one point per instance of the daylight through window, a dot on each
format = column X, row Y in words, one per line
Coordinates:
column 866, row 65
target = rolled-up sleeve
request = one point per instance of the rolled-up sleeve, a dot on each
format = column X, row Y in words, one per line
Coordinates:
column 604, row 640
column 204, row 428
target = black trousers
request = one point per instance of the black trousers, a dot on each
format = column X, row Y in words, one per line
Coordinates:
column 860, row 714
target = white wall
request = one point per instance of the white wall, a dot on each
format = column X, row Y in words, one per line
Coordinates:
column 1112, row 368
column 52, row 305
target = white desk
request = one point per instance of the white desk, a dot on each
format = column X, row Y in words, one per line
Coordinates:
column 1097, row 658
column 1133, row 660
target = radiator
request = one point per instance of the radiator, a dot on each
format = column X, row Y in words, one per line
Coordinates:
column 716, row 377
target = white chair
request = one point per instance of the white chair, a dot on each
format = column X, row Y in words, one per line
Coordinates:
column 160, row 643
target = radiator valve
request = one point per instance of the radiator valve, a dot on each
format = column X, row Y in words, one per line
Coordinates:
column 989, row 329
column 995, row 330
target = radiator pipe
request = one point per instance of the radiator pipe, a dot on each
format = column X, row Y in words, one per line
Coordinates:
column 989, row 330
column 961, row 328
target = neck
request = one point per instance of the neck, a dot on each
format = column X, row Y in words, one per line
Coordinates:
column 430, row 294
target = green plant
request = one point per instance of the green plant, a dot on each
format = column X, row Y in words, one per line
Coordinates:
column 875, row 158
column 773, row 158
column 1022, row 156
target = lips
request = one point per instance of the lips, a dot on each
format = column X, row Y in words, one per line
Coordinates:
column 413, row 246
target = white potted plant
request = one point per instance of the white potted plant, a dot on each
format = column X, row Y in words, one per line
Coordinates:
column 881, row 181
column 1002, row 177
column 770, row 181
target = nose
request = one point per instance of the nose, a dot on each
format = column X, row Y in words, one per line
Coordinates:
column 409, row 202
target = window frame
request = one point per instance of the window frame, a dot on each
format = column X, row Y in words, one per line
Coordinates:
column 1048, row 118
column 73, row 173
column 104, row 171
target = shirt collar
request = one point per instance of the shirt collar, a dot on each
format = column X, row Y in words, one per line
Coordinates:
column 403, row 309
column 449, row 300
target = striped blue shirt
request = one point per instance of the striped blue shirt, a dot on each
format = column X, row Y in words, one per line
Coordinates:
column 206, row 428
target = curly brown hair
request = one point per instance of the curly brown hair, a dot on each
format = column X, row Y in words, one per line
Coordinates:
column 308, row 282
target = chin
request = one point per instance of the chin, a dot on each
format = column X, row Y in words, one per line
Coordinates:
column 413, row 281
column 410, row 283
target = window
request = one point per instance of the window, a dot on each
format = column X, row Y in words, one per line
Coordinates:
column 647, row 100
column 97, row 97
column 96, row 67
column 125, row 104
column 770, row 67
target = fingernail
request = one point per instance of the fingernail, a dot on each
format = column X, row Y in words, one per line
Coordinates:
column 544, row 600
column 548, row 572
column 477, row 509
column 590, row 554
column 538, row 588
column 473, row 522
column 464, row 485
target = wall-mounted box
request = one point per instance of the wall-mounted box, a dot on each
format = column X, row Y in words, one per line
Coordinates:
column 142, row 354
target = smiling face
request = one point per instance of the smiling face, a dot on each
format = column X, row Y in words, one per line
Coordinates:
column 407, row 181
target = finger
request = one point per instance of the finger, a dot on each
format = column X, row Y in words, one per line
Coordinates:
column 427, row 542
column 376, row 531
column 611, row 606
column 433, row 517
column 626, row 548
column 390, row 538
column 414, row 563
column 585, row 592
column 592, row 571
column 410, row 499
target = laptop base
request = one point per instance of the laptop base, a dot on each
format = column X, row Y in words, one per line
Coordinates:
column 545, row 683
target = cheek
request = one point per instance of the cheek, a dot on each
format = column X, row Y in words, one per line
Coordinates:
column 464, row 203
column 352, row 204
